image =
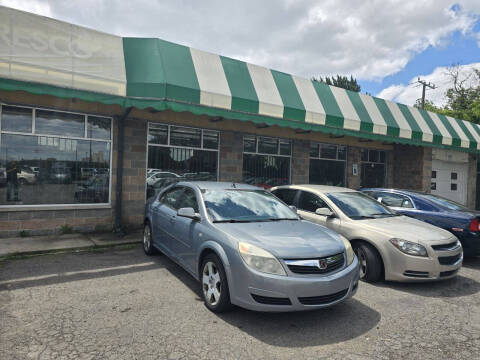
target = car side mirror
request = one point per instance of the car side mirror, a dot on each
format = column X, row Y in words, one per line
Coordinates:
column 380, row 199
column 324, row 212
column 188, row 212
column 293, row 208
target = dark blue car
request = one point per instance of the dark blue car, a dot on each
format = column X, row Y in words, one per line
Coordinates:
column 447, row 214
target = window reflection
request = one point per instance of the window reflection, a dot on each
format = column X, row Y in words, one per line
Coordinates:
column 266, row 170
column 98, row 128
column 47, row 170
column 16, row 119
column 59, row 123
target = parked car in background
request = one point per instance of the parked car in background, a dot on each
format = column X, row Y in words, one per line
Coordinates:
column 387, row 244
column 160, row 175
column 94, row 190
column 26, row 176
column 248, row 248
column 464, row 223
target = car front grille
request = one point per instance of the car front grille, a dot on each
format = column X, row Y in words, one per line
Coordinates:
column 316, row 266
column 416, row 274
column 324, row 299
column 267, row 300
column 446, row 247
column 449, row 260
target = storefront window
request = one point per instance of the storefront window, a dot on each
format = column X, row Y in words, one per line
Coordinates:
column 65, row 168
column 373, row 168
column 327, row 164
column 180, row 154
column 266, row 161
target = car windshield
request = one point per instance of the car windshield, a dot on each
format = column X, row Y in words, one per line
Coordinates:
column 359, row 206
column 445, row 203
column 245, row 206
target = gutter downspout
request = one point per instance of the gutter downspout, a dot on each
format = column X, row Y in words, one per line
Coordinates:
column 119, row 189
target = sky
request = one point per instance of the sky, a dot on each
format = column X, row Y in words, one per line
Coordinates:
column 385, row 44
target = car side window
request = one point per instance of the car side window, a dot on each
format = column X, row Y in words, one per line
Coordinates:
column 172, row 198
column 394, row 200
column 310, row 202
column 189, row 199
column 286, row 195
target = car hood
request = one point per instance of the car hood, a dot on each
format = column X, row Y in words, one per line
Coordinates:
column 407, row 228
column 287, row 239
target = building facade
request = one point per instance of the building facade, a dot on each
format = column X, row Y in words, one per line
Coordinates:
column 92, row 125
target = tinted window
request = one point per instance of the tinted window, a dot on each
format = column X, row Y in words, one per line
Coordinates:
column 172, row 198
column 59, row 123
column 158, row 134
column 357, row 205
column 266, row 170
column 327, row 172
column 16, row 119
column 445, row 203
column 245, row 206
column 267, row 145
column 180, row 136
column 249, row 143
column 394, row 200
column 189, row 200
column 210, row 139
column 98, row 128
column 328, row 151
column 310, row 202
column 286, row 195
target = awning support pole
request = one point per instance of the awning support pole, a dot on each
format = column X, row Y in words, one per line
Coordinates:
column 119, row 189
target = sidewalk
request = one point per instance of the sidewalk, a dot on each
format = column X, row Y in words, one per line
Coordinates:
column 54, row 243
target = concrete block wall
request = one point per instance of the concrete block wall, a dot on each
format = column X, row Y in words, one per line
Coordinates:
column 300, row 165
column 231, row 156
column 412, row 167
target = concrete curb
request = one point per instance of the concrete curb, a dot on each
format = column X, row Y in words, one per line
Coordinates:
column 25, row 247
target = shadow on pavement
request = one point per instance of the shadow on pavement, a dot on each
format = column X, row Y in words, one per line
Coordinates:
column 471, row 262
column 62, row 268
column 338, row 323
column 456, row 287
column 341, row 322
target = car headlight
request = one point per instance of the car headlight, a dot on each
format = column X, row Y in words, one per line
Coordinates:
column 348, row 250
column 409, row 247
column 259, row 259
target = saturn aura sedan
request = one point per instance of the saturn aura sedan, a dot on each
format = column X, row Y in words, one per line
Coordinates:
column 248, row 248
column 387, row 244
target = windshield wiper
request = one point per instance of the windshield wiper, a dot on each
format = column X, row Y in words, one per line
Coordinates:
column 361, row 217
column 232, row 221
column 280, row 219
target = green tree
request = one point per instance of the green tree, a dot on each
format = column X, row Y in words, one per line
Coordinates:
column 340, row 81
column 463, row 96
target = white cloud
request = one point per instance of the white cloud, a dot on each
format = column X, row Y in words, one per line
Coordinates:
column 408, row 94
column 369, row 39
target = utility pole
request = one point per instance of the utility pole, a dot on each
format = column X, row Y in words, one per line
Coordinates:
column 424, row 86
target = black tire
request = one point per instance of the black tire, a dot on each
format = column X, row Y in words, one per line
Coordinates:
column 371, row 268
column 147, row 242
column 223, row 304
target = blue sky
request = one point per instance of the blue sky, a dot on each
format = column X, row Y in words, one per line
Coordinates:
column 457, row 49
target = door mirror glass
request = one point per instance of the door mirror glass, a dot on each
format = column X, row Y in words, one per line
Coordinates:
column 188, row 212
column 324, row 212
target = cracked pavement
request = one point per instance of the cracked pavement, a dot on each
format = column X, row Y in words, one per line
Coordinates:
column 121, row 304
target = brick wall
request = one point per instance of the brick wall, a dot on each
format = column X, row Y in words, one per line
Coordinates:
column 412, row 167
column 231, row 156
column 300, row 166
column 353, row 157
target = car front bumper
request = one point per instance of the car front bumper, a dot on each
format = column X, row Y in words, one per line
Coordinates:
column 408, row 268
column 263, row 292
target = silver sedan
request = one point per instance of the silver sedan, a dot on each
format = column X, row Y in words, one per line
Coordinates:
column 248, row 248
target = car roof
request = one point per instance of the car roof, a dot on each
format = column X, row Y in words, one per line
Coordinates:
column 319, row 188
column 214, row 185
column 407, row 192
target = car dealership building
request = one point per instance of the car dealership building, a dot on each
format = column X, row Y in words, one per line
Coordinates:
column 84, row 115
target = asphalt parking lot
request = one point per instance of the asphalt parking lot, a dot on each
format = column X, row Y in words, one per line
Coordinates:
column 120, row 304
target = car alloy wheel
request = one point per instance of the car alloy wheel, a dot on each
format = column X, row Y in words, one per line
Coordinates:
column 211, row 283
column 362, row 259
column 147, row 240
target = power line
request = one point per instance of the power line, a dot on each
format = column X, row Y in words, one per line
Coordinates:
column 424, row 86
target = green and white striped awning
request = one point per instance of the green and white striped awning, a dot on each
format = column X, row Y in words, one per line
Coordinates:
column 158, row 69
column 66, row 60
